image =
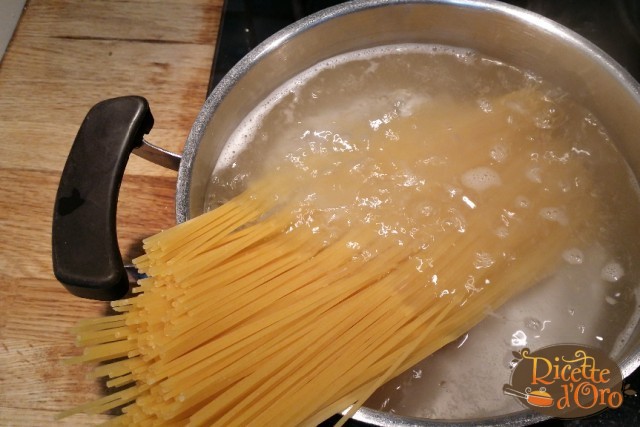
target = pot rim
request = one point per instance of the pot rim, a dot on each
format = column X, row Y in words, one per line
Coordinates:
column 271, row 44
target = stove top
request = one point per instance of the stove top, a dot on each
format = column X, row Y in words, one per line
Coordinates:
column 613, row 25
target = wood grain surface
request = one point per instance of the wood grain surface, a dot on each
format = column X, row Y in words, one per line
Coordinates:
column 66, row 56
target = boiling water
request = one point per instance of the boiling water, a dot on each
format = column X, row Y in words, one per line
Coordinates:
column 351, row 103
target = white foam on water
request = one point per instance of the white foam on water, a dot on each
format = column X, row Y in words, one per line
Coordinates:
column 481, row 178
column 554, row 214
column 499, row 153
column 612, row 272
column 573, row 256
column 249, row 127
column 534, row 175
column 523, row 202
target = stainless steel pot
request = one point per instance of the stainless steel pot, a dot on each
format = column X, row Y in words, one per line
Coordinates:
column 504, row 32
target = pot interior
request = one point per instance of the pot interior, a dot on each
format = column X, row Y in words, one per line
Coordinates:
column 508, row 34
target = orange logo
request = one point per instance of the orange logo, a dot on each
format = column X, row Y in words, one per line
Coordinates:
column 565, row 381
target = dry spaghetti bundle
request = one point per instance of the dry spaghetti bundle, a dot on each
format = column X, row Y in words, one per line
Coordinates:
column 353, row 261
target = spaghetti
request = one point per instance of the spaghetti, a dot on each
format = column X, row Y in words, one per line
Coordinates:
column 299, row 297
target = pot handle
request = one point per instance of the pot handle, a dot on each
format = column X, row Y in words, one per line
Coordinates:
column 86, row 257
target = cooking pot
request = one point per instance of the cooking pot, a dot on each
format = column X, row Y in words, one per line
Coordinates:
column 85, row 251
column 536, row 398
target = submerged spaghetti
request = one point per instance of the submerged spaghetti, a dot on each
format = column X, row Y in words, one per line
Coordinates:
column 357, row 257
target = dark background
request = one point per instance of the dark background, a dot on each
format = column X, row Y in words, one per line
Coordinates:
column 613, row 25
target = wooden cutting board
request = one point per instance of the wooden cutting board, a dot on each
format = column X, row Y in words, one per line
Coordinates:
column 66, row 56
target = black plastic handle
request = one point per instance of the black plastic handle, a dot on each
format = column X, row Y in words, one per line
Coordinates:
column 86, row 257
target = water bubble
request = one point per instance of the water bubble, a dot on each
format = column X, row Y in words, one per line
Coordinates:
column 483, row 260
column 519, row 339
column 453, row 221
column 534, row 175
column 547, row 119
column 554, row 214
column 522, row 202
column 502, row 232
column 499, row 153
column 611, row 300
column 353, row 245
column 409, row 103
column 543, row 122
column 427, row 210
column 573, row 256
column 612, row 272
column 551, row 156
column 481, row 178
column 391, row 135
column 469, row 285
column 485, row 105
column 533, row 324
column 375, row 124
column 564, row 186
